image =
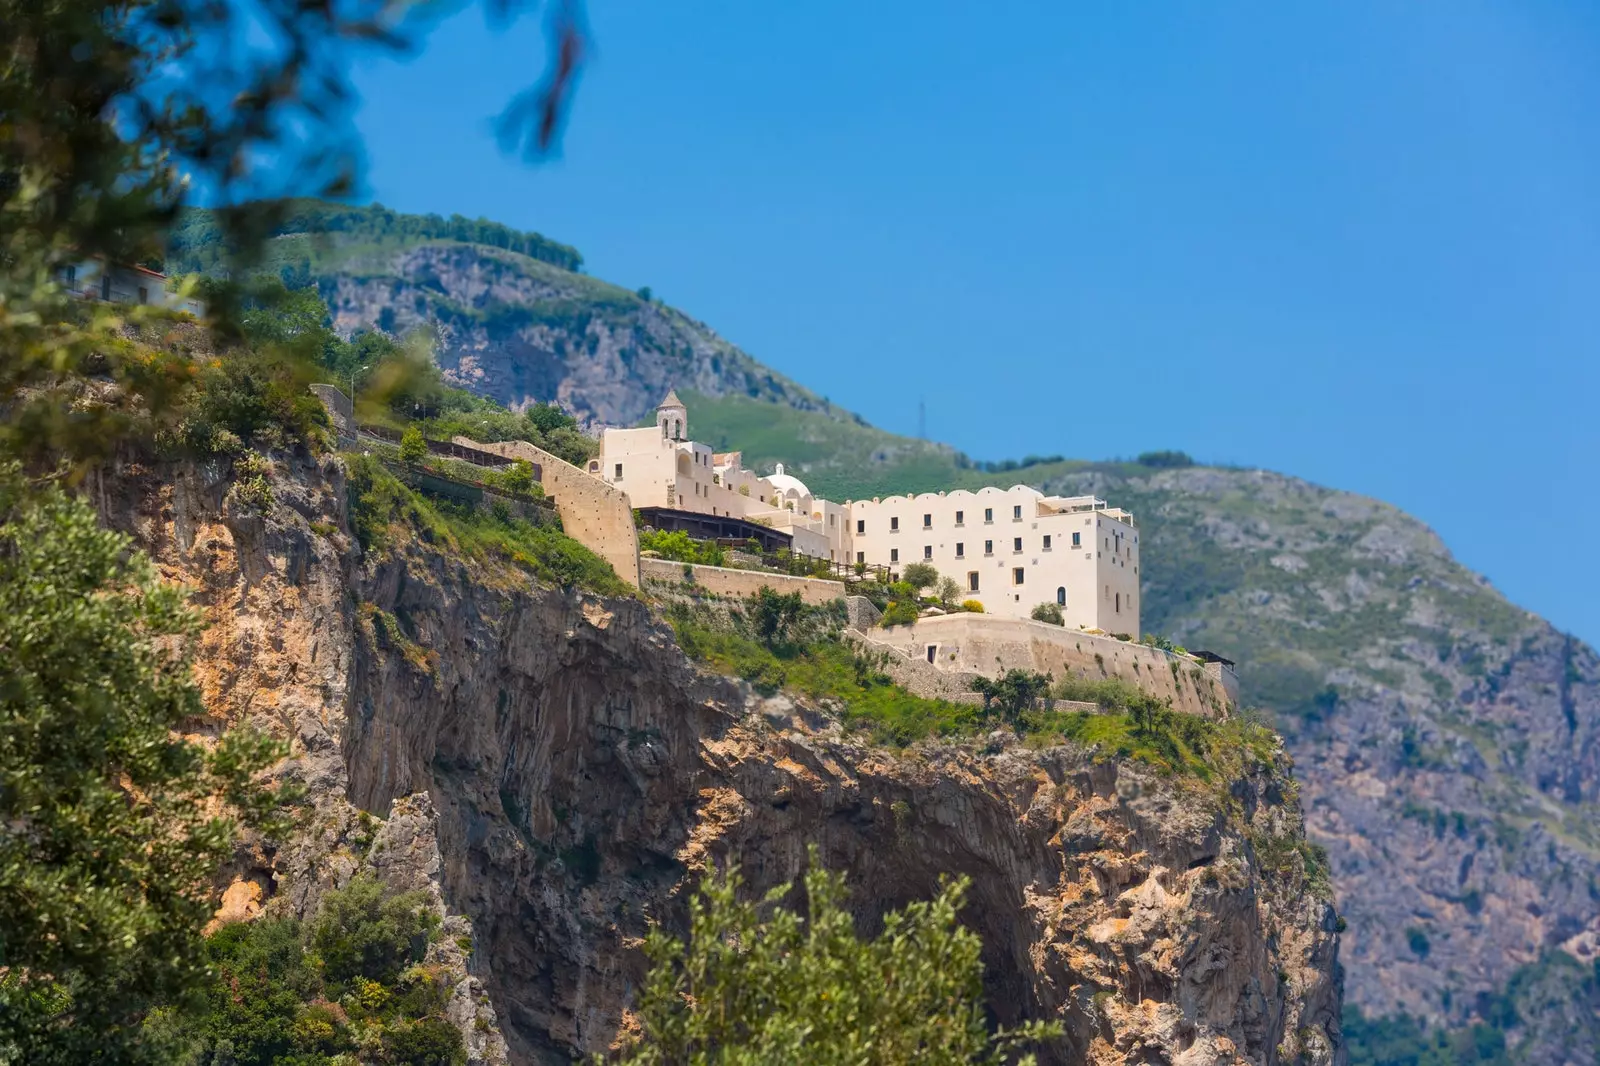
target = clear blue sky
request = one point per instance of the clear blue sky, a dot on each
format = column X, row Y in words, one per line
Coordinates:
column 1358, row 242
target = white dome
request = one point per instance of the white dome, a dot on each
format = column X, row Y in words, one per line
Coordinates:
column 787, row 483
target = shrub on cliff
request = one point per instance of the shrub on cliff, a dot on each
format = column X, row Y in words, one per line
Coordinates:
column 755, row 982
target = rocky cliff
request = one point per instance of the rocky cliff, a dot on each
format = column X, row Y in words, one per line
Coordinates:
column 1446, row 740
column 556, row 771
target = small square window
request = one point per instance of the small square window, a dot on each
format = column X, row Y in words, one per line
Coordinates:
column 988, row 514
column 894, row 555
column 1016, row 544
column 972, row 581
column 1077, row 540
column 1047, row 542
column 861, row 526
column 1016, row 575
column 927, row 521
column 894, row 525
column 988, row 547
column 960, row 516
column 927, row 551
column 861, row 557
column 619, row 470
column 961, row 550
column 1016, row 513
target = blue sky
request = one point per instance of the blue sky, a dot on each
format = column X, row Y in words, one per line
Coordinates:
column 1355, row 242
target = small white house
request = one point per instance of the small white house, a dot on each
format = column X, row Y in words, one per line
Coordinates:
column 95, row 279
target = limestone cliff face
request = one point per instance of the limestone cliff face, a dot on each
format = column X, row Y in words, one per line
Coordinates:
column 558, row 772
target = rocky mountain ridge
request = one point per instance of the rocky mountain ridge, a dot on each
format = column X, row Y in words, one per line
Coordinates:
column 555, row 770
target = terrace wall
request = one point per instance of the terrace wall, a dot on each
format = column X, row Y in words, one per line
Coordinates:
column 965, row 644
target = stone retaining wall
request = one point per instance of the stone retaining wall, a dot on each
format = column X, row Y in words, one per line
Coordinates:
column 723, row 581
column 966, row 644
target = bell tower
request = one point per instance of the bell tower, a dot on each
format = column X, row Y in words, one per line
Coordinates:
column 673, row 418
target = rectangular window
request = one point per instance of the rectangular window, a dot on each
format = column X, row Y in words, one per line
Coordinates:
column 894, row 525
column 1016, row 544
column 961, row 550
column 861, row 557
column 960, row 516
column 988, row 514
column 619, row 471
column 1077, row 540
column 1016, row 513
column 972, row 581
column 1108, row 592
column 144, row 295
column 1016, row 575
column 927, row 521
column 894, row 557
column 988, row 547
column 1119, row 603
column 861, row 525
column 1047, row 542
column 927, row 551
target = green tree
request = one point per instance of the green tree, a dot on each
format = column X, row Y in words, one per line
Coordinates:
column 413, row 448
column 549, row 417
column 756, row 983
column 773, row 615
column 1048, row 612
column 949, row 594
column 920, row 576
column 111, row 834
column 1013, row 693
column 361, row 932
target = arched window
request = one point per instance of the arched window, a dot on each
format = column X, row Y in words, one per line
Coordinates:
column 677, row 429
column 1061, row 595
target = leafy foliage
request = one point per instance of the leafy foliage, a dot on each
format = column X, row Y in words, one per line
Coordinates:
column 1012, row 693
column 680, row 547
column 1164, row 459
column 920, row 576
column 900, row 612
column 413, row 449
column 111, row 829
column 758, row 983
column 352, row 983
column 773, row 615
column 1048, row 612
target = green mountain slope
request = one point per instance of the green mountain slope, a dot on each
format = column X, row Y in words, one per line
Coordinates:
column 1448, row 743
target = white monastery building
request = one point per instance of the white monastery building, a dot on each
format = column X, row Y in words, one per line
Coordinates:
column 1009, row 549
